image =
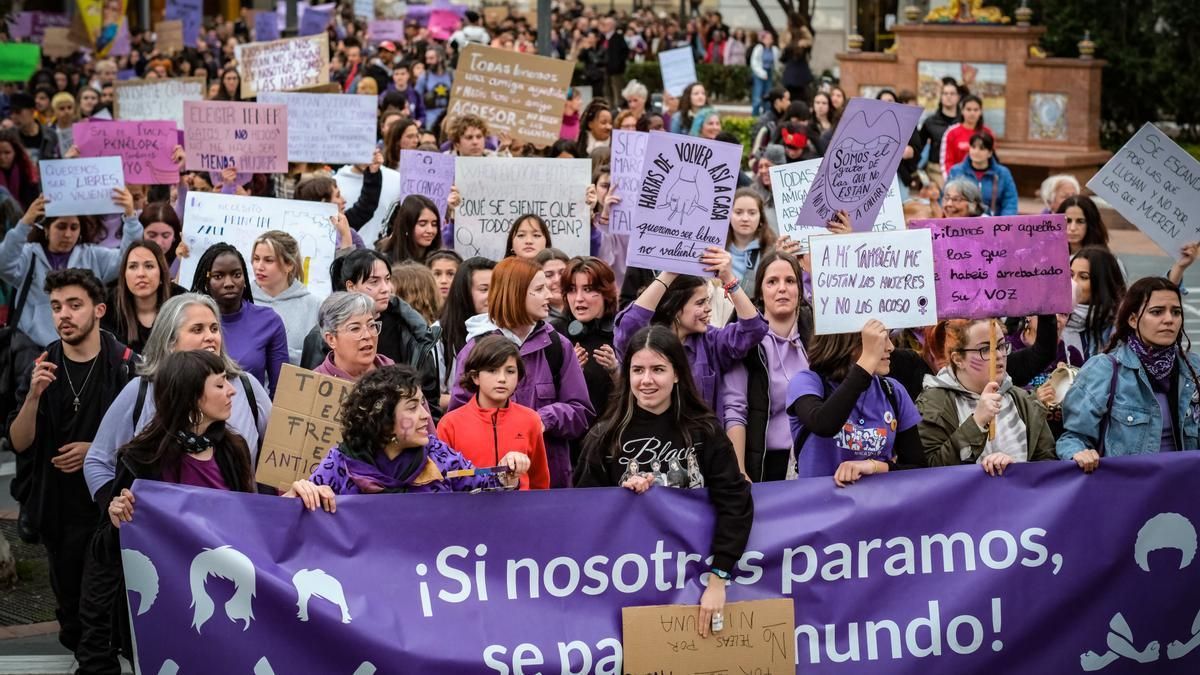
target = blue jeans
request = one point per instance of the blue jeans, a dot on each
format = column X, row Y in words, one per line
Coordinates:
column 758, row 89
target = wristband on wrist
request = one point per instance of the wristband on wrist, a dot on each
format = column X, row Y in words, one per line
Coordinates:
column 721, row 574
column 666, row 286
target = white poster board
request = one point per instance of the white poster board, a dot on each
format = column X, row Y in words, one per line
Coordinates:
column 873, row 275
column 678, row 69
column 81, row 187
column 210, row 218
column 496, row 191
column 156, row 99
column 789, row 188
column 332, row 129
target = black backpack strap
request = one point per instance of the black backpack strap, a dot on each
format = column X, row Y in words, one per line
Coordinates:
column 890, row 392
column 554, row 356
column 14, row 317
column 143, row 385
column 1112, row 392
column 251, row 399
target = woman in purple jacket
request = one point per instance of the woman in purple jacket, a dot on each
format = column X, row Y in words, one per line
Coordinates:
column 518, row 304
column 681, row 303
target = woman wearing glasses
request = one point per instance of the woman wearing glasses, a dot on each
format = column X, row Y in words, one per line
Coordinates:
column 961, row 404
column 348, row 325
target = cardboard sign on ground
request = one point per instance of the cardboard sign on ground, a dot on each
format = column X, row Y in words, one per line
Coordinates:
column 303, row 425
column 758, row 637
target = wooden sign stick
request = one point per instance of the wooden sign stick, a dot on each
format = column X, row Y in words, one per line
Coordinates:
column 992, row 370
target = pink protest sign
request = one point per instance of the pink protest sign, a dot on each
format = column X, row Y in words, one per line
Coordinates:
column 251, row 137
column 859, row 164
column 443, row 23
column 1000, row 266
column 144, row 148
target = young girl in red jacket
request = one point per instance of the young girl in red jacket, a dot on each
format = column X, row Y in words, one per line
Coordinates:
column 489, row 427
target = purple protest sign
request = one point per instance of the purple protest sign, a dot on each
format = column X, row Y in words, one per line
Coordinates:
column 1000, row 266
column 683, row 202
column 266, row 26
column 976, row 588
column 418, row 14
column 628, row 150
column 859, row 164
column 144, row 148
column 430, row 174
column 385, row 29
column 316, row 19
column 191, row 13
column 251, row 137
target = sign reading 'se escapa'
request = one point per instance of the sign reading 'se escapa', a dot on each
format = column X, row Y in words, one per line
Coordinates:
column 976, row 577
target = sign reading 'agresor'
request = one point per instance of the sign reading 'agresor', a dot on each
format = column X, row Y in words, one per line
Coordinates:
column 518, row 94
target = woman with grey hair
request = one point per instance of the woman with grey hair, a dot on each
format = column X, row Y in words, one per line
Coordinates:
column 961, row 198
column 351, row 329
column 186, row 322
column 636, row 95
column 1056, row 188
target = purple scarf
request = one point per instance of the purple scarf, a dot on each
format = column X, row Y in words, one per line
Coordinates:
column 384, row 475
column 1159, row 362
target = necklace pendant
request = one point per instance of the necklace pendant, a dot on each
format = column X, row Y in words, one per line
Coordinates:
column 76, row 402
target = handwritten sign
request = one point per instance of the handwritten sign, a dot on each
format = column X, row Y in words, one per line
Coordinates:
column 430, row 174
column 498, row 190
column 170, row 36
column 81, row 187
column 873, row 275
column 156, row 99
column 18, row 61
column 251, row 137
column 789, row 188
column 57, row 42
column 303, row 425
column 683, row 202
column 33, row 25
column 860, row 164
column 1155, row 184
column 386, row 29
column 758, row 637
column 144, row 148
column 520, row 94
column 212, row 217
column 282, row 65
column 191, row 14
column 1000, row 266
column 678, row 69
column 628, row 150
column 329, row 129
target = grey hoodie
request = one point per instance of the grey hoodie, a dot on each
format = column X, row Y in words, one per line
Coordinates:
column 298, row 309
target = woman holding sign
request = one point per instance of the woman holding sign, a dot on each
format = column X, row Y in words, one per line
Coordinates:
column 959, row 406
column 1142, row 395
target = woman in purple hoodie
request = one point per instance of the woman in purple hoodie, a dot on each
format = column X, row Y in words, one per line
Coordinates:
column 518, row 305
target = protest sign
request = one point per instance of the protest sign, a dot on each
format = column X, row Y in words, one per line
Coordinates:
column 33, row 25
column 520, row 94
column 156, row 99
column 303, row 426
column 1000, row 266
column 678, row 68
column 364, row 9
column 212, row 217
column 386, row 29
column 283, row 65
column 418, row 14
column 266, row 26
column 497, row 190
column 625, row 179
column 860, row 164
column 328, row 129
column 170, row 36
column 191, row 14
column 758, row 637
column 872, row 275
column 683, row 202
column 57, row 42
column 315, row 19
column 443, row 23
column 18, row 61
column 81, row 187
column 789, row 188
column 251, row 137
column 144, row 148
column 1155, row 184
column 972, row 580
column 430, row 174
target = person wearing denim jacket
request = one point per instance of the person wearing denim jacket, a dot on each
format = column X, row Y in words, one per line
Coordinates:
column 1153, row 375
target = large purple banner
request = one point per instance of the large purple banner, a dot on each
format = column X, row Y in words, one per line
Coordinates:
column 1043, row 570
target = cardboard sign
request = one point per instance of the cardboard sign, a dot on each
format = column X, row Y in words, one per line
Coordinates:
column 386, row 29
column 144, row 148
column 315, row 19
column 789, row 188
column 860, row 164
column 191, row 14
column 283, row 65
column 1155, row 184
column 520, row 94
column 212, row 217
column 18, row 61
column 303, row 426
column 873, row 275
column 57, row 42
column 266, row 26
column 170, row 36
column 758, row 637
column 430, row 174
column 328, row 129
column 251, row 137
column 683, row 202
column 1001, row 266
column 156, row 99
column 497, row 190
column 625, row 177
column 678, row 68
column 81, row 187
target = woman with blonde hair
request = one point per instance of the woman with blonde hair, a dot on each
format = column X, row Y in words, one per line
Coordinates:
column 279, row 283
column 414, row 284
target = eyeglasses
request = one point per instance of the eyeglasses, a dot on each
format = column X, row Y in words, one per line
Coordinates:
column 985, row 352
column 957, row 199
column 358, row 330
